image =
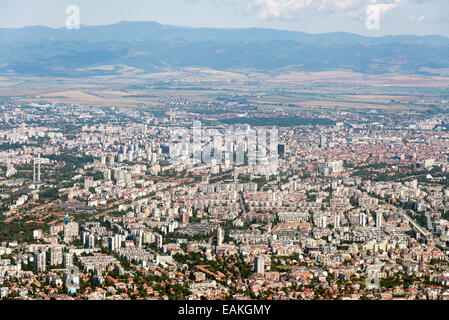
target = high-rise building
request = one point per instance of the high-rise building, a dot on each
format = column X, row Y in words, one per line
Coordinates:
column 139, row 240
column 323, row 142
column 70, row 230
column 322, row 222
column 184, row 218
column 259, row 264
column 107, row 175
column 281, row 150
column 335, row 166
column 34, row 170
column 91, row 241
column 429, row 222
column 118, row 241
column 379, row 219
column 337, row 221
column 158, row 240
column 88, row 182
column 114, row 242
column 362, row 219
column 171, row 115
column 67, row 260
column 103, row 160
column 220, row 236
column 37, row 173
column 85, row 238
column 40, row 261
column 111, row 160
column 39, row 168
column 56, row 256
column 111, row 243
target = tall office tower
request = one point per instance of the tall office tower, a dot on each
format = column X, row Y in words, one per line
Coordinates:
column 281, row 150
column 158, row 240
column 220, row 236
column 91, row 241
column 233, row 195
column 111, row 160
column 111, row 243
column 118, row 241
column 40, row 261
column 39, row 167
column 429, row 222
column 139, row 240
column 259, row 264
column 323, row 142
column 56, row 256
column 322, row 222
column 337, row 221
column 379, row 219
column 171, row 115
column 67, row 260
column 85, row 238
column 362, row 219
column 184, row 217
column 34, row 170
column 154, row 158
column 103, row 159
column 107, row 175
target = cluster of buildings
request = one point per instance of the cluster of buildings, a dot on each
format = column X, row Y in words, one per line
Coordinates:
column 110, row 215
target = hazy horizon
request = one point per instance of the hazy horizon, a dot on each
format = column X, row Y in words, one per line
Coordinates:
column 228, row 28
column 398, row 17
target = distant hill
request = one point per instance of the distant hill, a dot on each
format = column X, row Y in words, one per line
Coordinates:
column 149, row 46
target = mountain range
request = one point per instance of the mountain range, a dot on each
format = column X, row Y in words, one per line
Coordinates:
column 150, row 47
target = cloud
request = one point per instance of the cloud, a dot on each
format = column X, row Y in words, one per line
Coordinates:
column 350, row 9
column 421, row 18
column 290, row 9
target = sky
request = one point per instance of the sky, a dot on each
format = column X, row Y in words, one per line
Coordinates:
column 419, row 17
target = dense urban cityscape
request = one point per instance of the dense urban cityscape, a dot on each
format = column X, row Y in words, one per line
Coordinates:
column 218, row 159
column 96, row 206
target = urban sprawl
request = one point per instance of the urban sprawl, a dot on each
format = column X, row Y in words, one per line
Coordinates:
column 112, row 203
